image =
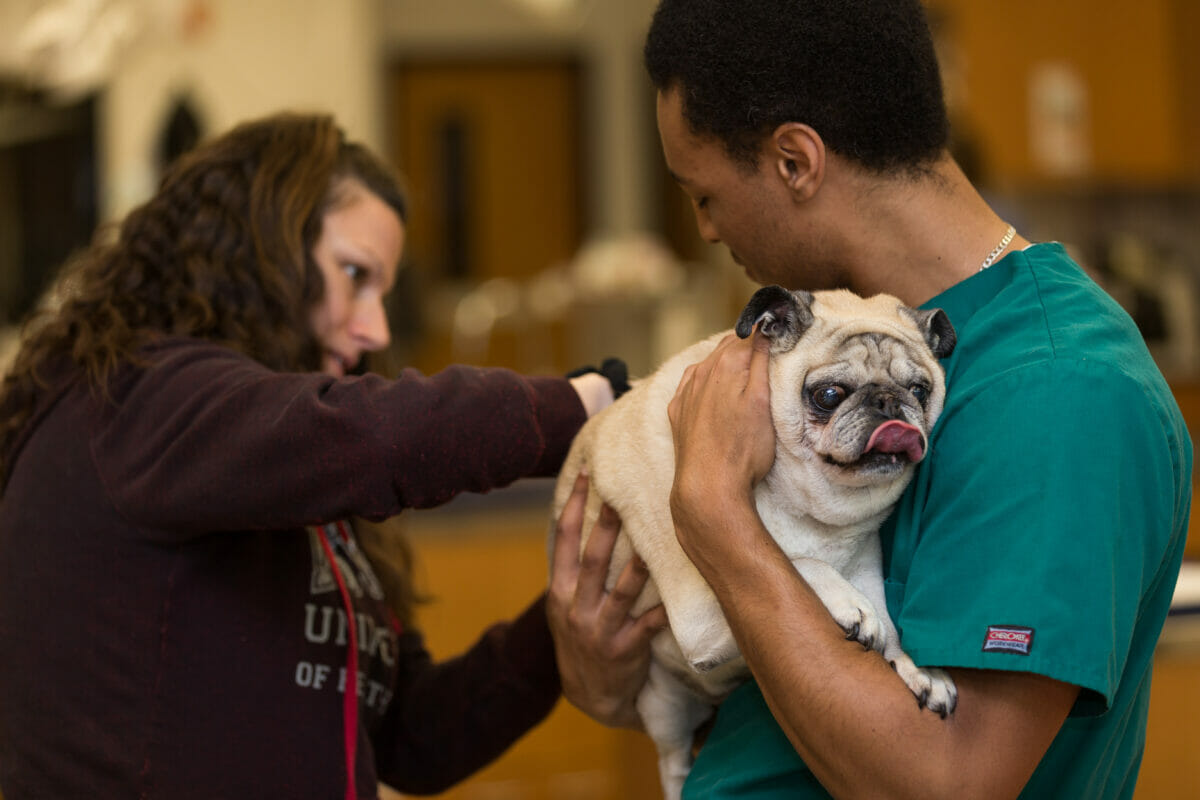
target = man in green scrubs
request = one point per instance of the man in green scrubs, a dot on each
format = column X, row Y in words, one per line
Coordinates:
column 1036, row 550
column 1043, row 534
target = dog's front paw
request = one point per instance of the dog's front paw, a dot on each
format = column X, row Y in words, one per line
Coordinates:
column 848, row 606
column 933, row 687
column 862, row 625
column 857, row 617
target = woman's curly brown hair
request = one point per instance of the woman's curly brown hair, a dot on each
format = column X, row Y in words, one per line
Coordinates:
column 221, row 252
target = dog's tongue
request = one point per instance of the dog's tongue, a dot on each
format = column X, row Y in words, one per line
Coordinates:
column 895, row 436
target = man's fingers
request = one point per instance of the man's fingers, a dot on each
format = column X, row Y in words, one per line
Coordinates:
column 632, row 581
column 633, row 631
column 653, row 621
column 568, row 532
column 675, row 407
column 628, row 586
column 759, row 379
column 759, row 341
column 728, row 339
column 597, row 554
column 584, row 577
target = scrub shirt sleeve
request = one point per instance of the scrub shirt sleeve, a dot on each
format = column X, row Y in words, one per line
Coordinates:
column 1048, row 511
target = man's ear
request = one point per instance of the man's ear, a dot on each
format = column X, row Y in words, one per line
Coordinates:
column 798, row 153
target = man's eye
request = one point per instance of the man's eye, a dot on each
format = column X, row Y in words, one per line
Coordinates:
column 702, row 202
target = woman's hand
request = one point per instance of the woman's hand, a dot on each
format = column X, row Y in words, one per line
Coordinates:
column 603, row 653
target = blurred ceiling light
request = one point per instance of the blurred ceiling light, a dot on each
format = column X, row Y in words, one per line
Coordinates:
column 70, row 47
column 548, row 8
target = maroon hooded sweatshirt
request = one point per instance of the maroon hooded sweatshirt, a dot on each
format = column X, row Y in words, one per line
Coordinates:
column 170, row 625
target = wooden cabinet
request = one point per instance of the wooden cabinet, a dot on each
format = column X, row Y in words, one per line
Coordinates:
column 1173, row 735
column 1017, row 72
column 1187, row 395
column 493, row 155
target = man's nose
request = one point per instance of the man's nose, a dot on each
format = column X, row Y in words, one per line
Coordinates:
column 708, row 231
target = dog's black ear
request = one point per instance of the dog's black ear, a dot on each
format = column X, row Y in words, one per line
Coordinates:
column 782, row 316
column 939, row 333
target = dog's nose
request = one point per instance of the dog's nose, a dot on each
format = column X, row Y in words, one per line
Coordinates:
column 884, row 400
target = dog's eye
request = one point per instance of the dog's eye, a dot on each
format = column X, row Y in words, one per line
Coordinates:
column 921, row 392
column 827, row 398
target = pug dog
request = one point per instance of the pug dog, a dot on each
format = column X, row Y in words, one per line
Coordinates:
column 856, row 386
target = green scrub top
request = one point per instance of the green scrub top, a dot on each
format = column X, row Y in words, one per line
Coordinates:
column 1043, row 533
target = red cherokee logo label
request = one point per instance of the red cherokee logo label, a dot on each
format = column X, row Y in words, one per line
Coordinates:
column 1008, row 639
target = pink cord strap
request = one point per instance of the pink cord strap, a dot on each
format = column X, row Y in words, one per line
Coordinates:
column 350, row 696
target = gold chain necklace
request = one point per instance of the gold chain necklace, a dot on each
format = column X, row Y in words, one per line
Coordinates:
column 1008, row 237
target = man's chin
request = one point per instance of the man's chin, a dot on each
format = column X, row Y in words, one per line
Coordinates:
column 749, row 271
column 737, row 259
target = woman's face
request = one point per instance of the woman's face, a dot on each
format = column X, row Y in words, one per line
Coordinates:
column 358, row 253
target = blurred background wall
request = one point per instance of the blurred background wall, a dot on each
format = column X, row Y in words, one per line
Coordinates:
column 546, row 234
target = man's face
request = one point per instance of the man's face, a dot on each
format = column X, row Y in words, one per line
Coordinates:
column 734, row 204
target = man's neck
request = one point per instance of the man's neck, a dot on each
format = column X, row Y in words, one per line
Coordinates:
column 915, row 237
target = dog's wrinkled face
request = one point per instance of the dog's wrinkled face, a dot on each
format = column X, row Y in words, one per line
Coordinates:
column 861, row 376
column 866, row 412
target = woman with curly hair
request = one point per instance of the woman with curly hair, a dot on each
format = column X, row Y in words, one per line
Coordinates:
column 189, row 601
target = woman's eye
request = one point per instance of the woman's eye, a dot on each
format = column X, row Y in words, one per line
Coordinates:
column 702, row 202
column 921, row 392
column 827, row 398
column 356, row 273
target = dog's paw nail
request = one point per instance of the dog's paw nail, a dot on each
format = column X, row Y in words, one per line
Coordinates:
column 706, row 665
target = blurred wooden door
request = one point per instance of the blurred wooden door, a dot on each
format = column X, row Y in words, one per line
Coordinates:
column 492, row 153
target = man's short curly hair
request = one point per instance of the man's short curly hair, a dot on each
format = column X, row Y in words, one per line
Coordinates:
column 862, row 73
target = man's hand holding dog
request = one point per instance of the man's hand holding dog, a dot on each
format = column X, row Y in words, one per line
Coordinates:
column 724, row 442
column 603, row 652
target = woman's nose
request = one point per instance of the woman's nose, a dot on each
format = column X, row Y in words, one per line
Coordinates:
column 370, row 325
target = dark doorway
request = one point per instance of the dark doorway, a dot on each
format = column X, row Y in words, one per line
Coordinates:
column 48, row 196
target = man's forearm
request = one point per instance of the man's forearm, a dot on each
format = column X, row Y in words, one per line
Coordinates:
column 848, row 714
